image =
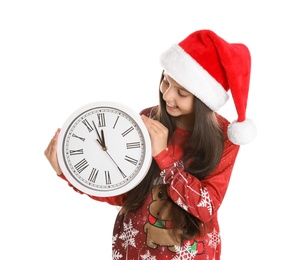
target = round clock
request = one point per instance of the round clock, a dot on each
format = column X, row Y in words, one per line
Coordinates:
column 104, row 149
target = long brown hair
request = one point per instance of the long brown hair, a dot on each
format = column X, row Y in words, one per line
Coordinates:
column 201, row 156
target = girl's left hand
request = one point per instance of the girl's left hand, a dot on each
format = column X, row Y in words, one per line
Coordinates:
column 51, row 153
column 158, row 135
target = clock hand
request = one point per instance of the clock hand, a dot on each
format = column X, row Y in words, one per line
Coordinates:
column 97, row 131
column 100, row 140
column 123, row 174
column 103, row 139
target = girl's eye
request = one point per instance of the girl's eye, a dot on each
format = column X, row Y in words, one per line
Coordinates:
column 182, row 93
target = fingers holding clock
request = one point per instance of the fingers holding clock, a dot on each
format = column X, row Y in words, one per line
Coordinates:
column 51, row 153
column 158, row 134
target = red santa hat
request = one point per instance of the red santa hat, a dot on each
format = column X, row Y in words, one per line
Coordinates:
column 208, row 66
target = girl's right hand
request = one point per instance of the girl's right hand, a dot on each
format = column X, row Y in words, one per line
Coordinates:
column 158, row 134
column 51, row 153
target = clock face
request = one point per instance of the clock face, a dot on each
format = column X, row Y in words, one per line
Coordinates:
column 104, row 149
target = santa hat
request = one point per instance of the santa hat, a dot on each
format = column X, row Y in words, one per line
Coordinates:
column 208, row 66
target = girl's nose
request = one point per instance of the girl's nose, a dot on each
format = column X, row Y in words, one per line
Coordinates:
column 168, row 93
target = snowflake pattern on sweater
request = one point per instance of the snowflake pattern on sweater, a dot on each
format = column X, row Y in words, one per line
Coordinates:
column 128, row 245
column 136, row 237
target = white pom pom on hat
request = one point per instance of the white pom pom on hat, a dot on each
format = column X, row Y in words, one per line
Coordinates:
column 208, row 66
column 242, row 132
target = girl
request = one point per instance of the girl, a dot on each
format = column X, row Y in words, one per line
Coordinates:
column 172, row 213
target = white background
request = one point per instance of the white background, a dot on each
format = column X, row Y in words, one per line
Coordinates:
column 56, row 56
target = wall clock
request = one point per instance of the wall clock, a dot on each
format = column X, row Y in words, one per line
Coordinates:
column 104, row 149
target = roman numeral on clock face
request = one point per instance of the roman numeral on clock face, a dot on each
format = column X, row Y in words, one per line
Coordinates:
column 127, row 131
column 80, row 166
column 131, row 160
column 93, row 175
column 101, row 119
column 76, row 136
column 88, row 126
column 74, row 152
column 107, row 177
column 133, row 145
column 116, row 122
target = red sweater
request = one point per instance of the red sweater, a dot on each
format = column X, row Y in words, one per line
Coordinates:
column 140, row 235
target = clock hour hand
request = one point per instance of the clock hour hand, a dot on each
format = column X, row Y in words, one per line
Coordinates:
column 101, row 144
column 103, row 139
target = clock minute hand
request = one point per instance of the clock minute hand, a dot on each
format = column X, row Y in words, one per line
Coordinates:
column 100, row 140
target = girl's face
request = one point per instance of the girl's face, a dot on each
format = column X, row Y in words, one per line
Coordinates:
column 179, row 101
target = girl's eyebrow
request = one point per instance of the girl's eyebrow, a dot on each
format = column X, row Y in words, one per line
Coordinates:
column 182, row 88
